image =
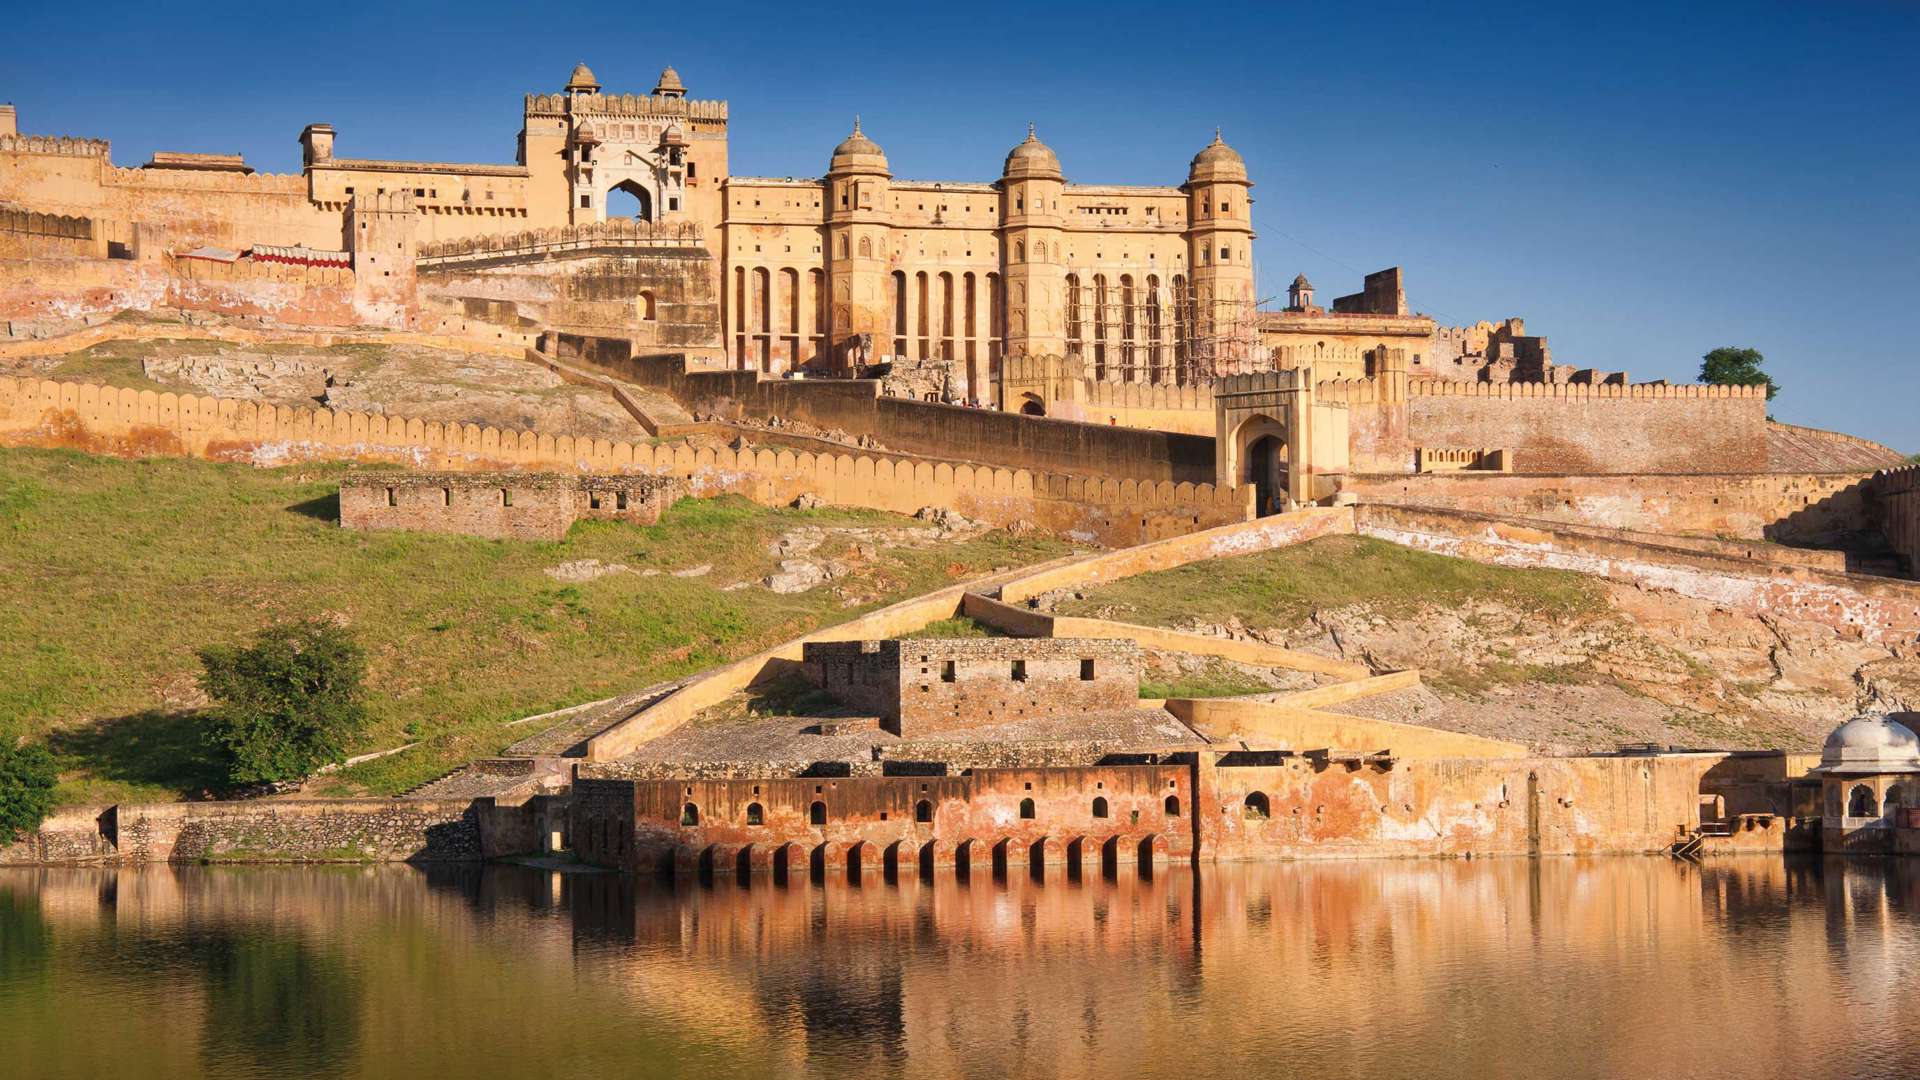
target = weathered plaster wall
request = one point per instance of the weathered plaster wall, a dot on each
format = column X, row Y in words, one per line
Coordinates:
column 1895, row 496
column 1202, row 807
column 943, row 684
column 522, row 506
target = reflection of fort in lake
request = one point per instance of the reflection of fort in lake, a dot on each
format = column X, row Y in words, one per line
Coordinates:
column 1637, row 967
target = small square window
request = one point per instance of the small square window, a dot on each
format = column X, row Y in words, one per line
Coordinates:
column 446, row 496
column 390, row 499
column 506, row 497
column 1086, row 670
column 946, row 669
column 586, row 201
column 1019, row 671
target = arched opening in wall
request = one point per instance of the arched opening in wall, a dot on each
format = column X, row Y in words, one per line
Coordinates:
column 643, row 305
column 1257, row 808
column 1100, row 807
column 1026, row 809
column 1267, row 472
column 817, row 813
column 1861, row 803
column 923, row 812
column 1173, row 806
column 1031, row 405
column 1895, row 799
column 689, row 815
column 899, row 313
column 756, row 815
column 629, row 199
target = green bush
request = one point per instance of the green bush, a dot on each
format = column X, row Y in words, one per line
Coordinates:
column 27, row 777
column 288, row 703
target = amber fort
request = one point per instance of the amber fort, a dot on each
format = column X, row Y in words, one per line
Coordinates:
column 1025, row 349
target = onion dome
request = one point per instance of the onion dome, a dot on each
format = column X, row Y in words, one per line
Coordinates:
column 1871, row 744
column 857, row 153
column 1032, row 159
column 1217, row 162
column 670, row 84
column 1300, row 282
column 582, row 80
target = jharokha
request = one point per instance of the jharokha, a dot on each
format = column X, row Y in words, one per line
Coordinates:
column 1016, row 350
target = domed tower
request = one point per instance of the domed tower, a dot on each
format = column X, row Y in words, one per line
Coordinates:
column 860, row 329
column 1869, row 775
column 582, row 80
column 1032, row 260
column 670, row 84
column 1220, row 258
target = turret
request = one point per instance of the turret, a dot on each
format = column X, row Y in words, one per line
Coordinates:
column 316, row 144
column 1033, row 262
column 582, row 80
column 1220, row 256
column 670, row 84
column 1300, row 295
column 860, row 323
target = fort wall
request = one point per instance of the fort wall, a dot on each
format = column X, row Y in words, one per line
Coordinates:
column 1874, row 609
column 1786, row 508
column 1895, row 497
column 107, row 419
column 920, row 427
column 265, row 830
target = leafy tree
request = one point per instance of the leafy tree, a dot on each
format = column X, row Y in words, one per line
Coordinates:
column 1730, row 365
column 27, row 776
column 288, row 703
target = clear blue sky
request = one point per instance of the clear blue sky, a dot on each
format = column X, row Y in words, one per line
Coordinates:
column 1642, row 183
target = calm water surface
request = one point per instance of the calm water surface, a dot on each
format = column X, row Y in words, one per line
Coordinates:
column 1619, row 967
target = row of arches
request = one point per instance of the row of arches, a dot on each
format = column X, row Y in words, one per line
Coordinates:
column 778, row 316
column 1863, row 802
column 1131, row 331
column 904, row 861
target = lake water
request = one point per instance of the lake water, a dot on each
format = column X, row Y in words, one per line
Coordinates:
column 1637, row 967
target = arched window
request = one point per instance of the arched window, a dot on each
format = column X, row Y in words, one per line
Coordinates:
column 1019, row 251
column 689, row 815
column 843, row 247
column 866, row 247
column 1861, row 803
column 1026, row 809
column 1257, row 808
column 1100, row 806
column 1039, row 252
column 817, row 813
column 923, row 811
column 645, row 304
column 1173, row 806
column 756, row 815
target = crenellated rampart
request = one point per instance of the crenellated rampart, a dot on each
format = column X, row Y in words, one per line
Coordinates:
column 57, row 145
column 117, row 420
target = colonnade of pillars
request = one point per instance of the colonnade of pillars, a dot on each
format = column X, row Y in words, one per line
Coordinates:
column 777, row 316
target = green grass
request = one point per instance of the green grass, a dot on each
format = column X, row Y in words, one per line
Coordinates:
column 1215, row 680
column 118, row 571
column 960, row 626
column 1286, row 586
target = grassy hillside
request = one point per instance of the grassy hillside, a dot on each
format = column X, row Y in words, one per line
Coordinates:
column 1287, row 585
column 117, row 571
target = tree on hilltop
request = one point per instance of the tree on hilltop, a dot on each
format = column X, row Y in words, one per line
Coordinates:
column 27, row 777
column 287, row 703
column 1730, row 365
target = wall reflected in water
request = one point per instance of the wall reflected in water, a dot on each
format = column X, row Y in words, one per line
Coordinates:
column 1627, row 966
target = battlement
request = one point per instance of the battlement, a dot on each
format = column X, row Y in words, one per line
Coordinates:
column 206, row 180
column 60, row 145
column 617, row 232
column 1584, row 391
column 17, row 220
column 626, row 105
column 383, row 202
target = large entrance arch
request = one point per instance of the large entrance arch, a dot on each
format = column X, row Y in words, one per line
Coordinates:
column 630, row 199
column 1273, row 442
column 1266, row 470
